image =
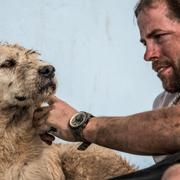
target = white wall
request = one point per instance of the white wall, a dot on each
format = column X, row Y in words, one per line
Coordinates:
column 94, row 45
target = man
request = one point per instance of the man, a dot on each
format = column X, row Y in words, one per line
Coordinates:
column 154, row 132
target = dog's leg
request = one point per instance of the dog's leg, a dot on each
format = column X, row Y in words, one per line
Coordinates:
column 94, row 163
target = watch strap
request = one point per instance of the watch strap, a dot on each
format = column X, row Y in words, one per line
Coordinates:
column 78, row 132
column 83, row 146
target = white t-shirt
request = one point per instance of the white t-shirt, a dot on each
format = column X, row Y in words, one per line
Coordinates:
column 165, row 99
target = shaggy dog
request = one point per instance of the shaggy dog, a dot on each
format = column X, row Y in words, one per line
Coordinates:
column 25, row 83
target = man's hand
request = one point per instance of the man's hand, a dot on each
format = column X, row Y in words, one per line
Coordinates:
column 54, row 119
column 47, row 138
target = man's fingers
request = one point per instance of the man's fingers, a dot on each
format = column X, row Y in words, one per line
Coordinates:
column 40, row 116
column 48, row 142
column 40, row 112
column 52, row 100
column 47, row 137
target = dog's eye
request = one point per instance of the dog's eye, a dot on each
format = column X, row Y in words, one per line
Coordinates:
column 8, row 63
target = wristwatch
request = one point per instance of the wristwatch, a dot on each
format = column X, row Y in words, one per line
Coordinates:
column 77, row 123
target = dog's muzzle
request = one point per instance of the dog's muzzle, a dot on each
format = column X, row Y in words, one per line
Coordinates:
column 47, row 74
column 47, row 71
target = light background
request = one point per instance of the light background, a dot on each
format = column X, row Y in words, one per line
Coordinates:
column 94, row 45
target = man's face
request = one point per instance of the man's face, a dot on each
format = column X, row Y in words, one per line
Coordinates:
column 160, row 34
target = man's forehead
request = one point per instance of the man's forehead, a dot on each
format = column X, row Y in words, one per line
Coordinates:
column 159, row 6
column 150, row 19
column 144, row 5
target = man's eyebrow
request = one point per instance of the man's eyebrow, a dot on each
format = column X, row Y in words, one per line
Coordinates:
column 151, row 34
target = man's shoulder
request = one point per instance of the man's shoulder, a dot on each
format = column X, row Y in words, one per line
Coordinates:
column 158, row 100
column 164, row 99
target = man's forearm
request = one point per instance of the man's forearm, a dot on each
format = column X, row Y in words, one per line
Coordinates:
column 152, row 133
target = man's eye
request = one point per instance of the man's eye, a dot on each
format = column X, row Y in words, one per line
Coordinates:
column 8, row 63
column 144, row 43
column 159, row 37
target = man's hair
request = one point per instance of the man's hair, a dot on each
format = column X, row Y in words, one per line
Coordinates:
column 173, row 6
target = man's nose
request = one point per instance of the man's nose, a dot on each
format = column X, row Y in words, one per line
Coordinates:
column 47, row 71
column 152, row 53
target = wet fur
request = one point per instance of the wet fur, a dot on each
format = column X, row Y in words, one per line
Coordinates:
column 23, row 156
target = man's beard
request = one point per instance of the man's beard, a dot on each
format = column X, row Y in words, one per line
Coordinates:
column 172, row 83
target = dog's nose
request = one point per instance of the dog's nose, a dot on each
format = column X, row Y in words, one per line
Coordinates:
column 47, row 71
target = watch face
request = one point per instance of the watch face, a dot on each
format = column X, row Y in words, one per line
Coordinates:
column 77, row 120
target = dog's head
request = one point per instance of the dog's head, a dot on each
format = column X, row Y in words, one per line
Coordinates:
column 24, row 78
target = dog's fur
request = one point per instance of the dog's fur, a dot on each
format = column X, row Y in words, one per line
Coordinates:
column 23, row 156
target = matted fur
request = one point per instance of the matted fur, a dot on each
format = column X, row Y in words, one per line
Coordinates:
column 23, row 156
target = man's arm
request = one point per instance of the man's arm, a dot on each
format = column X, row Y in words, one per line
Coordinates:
column 148, row 133
column 152, row 133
